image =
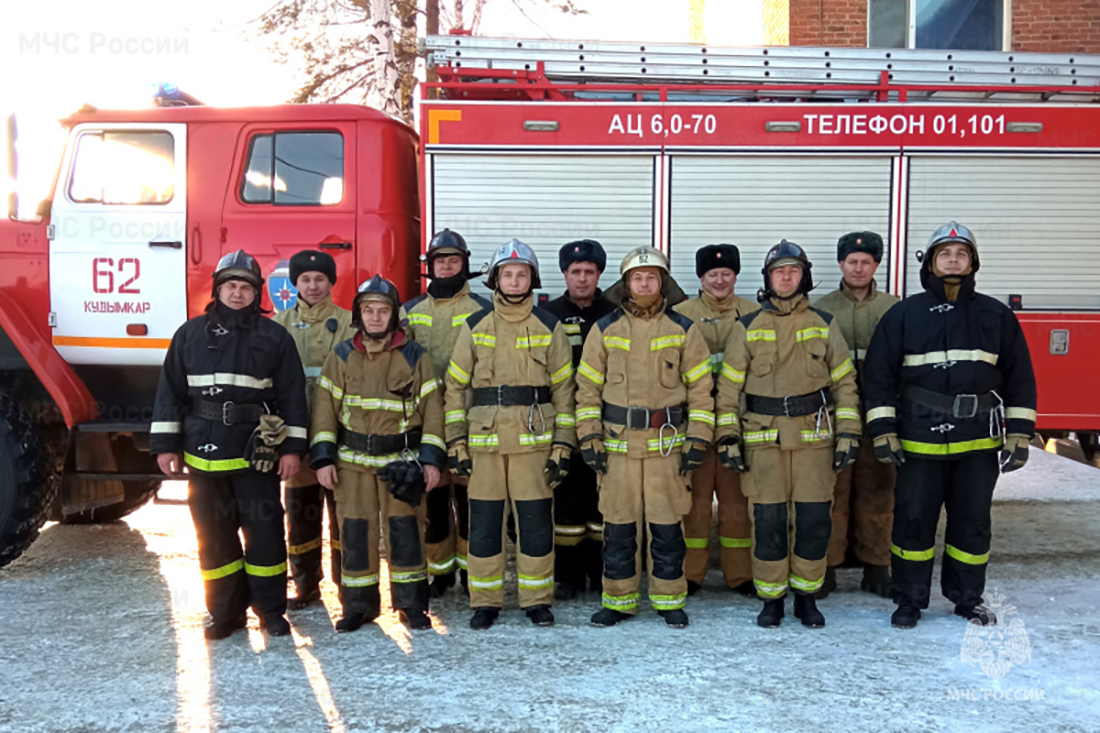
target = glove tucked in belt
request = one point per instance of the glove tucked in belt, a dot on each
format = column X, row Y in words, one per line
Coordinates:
column 262, row 451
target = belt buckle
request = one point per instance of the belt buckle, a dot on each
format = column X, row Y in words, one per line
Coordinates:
column 633, row 423
column 966, row 405
column 500, row 395
column 226, row 407
column 787, row 406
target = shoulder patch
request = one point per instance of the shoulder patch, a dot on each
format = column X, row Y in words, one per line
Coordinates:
column 604, row 323
column 412, row 352
column 824, row 315
column 547, row 318
column 344, row 349
column 747, row 319
column 415, row 302
column 679, row 319
column 481, row 300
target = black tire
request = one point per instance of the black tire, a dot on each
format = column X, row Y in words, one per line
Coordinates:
column 25, row 494
column 138, row 493
column 1090, row 445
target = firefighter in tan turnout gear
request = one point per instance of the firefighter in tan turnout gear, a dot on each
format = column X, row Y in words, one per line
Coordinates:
column 863, row 501
column 435, row 319
column 645, row 416
column 513, row 360
column 378, row 445
column 715, row 311
column 316, row 324
column 801, row 423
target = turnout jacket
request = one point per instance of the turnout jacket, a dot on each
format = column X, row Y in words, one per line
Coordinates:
column 316, row 329
column 225, row 357
column 653, row 362
column 435, row 322
column 511, row 345
column 577, row 321
column 779, row 353
column 377, row 389
column 857, row 320
column 715, row 319
column 970, row 346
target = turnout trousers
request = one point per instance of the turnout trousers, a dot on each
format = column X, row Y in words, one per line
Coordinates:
column 367, row 513
column 643, row 501
column 448, row 532
column 789, row 493
column 223, row 507
column 496, row 480
column 964, row 486
column 734, row 526
column 863, row 510
column 305, row 509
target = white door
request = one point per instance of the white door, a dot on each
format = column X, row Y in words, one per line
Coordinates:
column 753, row 201
column 118, row 261
column 544, row 201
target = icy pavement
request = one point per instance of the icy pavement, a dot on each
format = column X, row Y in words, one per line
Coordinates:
column 102, row 630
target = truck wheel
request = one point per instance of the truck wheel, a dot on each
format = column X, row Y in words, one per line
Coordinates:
column 138, row 493
column 25, row 495
column 1090, row 446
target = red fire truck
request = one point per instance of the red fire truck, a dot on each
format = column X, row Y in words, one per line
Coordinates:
column 675, row 146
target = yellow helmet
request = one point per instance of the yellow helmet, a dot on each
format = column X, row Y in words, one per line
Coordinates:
column 644, row 256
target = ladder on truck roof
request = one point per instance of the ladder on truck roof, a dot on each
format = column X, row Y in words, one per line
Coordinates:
column 774, row 71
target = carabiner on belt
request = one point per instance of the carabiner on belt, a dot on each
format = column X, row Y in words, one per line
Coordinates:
column 661, row 435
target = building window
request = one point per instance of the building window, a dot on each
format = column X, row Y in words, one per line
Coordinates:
column 963, row 25
column 295, row 168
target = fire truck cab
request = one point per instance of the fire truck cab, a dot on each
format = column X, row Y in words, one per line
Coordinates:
column 144, row 204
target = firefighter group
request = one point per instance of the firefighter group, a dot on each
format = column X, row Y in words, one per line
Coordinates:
column 595, row 434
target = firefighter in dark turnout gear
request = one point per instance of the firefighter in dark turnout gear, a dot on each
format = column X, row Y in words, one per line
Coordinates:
column 864, row 490
column 951, row 401
column 790, row 364
column 316, row 324
column 578, row 525
column 434, row 319
column 378, row 444
column 231, row 399
column 715, row 312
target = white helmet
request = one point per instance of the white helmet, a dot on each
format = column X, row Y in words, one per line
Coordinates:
column 514, row 252
column 644, row 256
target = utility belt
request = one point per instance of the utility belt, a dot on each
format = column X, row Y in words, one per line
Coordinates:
column 960, row 406
column 229, row 413
column 643, row 418
column 379, row 445
column 504, row 396
column 789, row 406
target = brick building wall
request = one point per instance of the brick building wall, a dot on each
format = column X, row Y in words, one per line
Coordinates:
column 1052, row 26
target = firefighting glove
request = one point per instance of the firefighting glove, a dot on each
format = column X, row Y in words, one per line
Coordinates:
column 847, row 446
column 691, row 455
column 458, row 458
column 557, row 466
column 729, row 453
column 262, row 451
column 888, row 449
column 405, row 481
column 594, row 454
column 1014, row 452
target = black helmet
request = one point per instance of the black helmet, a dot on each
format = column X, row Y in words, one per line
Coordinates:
column 377, row 288
column 238, row 265
column 787, row 253
column 444, row 243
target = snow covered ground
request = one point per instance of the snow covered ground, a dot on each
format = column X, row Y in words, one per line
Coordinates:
column 102, row 630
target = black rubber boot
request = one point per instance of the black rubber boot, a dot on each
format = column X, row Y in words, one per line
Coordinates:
column 484, row 618
column 305, row 597
column 215, row 630
column 694, row 587
column 876, row 579
column 349, row 623
column 747, row 589
column 608, row 617
column 416, row 619
column 979, row 614
column 569, row 570
column 771, row 615
column 677, row 618
column 540, row 615
column 906, row 617
column 828, row 584
column 805, row 608
column 275, row 625
column 464, row 579
column 440, row 584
